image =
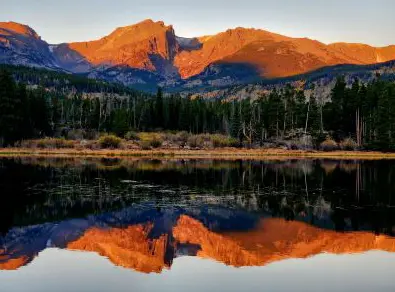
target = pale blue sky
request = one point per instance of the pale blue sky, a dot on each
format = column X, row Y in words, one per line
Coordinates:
column 364, row 21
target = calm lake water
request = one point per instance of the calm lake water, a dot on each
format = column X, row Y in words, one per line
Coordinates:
column 196, row 225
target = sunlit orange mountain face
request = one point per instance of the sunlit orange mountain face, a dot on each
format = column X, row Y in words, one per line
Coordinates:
column 151, row 51
column 270, row 240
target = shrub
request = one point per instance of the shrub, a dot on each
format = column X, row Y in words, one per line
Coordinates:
column 318, row 138
column 76, row 134
column 27, row 144
column 171, row 137
column 63, row 143
column 148, row 140
column 223, row 141
column 91, row 135
column 305, row 142
column 53, row 143
column 156, row 142
column 211, row 140
column 90, row 144
column 183, row 137
column 180, row 138
column 110, row 141
column 145, row 145
column 131, row 136
column 148, row 136
column 329, row 145
column 348, row 144
column 43, row 143
column 196, row 141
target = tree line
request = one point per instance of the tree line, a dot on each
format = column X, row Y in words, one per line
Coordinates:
column 363, row 112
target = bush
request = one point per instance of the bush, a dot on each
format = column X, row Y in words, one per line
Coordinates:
column 27, row 144
column 76, row 134
column 156, row 142
column 43, row 143
column 131, row 136
column 211, row 140
column 348, row 144
column 195, row 141
column 145, row 145
column 148, row 140
column 52, row 143
column 180, row 138
column 91, row 135
column 148, row 136
column 110, row 141
column 305, row 142
column 329, row 145
column 223, row 141
column 90, row 144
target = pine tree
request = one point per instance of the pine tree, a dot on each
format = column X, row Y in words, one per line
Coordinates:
column 119, row 122
column 10, row 115
column 39, row 111
column 158, row 111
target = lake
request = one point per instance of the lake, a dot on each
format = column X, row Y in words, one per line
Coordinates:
column 196, row 225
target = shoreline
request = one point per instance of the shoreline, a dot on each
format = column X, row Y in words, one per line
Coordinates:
column 219, row 153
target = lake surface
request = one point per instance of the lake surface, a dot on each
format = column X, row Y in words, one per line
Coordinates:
column 196, row 225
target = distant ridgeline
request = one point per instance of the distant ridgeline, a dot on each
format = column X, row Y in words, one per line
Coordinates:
column 48, row 103
column 62, row 81
column 362, row 72
column 319, row 81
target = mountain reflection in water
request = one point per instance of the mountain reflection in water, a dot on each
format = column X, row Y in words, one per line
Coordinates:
column 142, row 215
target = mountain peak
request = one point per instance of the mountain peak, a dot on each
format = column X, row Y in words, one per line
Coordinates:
column 18, row 28
column 150, row 21
column 147, row 45
column 147, row 24
column 139, row 31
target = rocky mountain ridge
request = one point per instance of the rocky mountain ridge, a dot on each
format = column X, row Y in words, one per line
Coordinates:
column 150, row 53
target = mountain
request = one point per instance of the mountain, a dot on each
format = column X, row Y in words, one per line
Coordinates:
column 321, row 80
column 147, row 46
column 150, row 53
column 364, row 54
column 21, row 45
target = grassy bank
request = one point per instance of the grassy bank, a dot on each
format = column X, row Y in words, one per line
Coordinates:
column 184, row 145
column 218, row 153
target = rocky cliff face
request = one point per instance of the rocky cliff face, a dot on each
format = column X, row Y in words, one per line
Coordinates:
column 147, row 45
column 150, row 52
column 21, row 45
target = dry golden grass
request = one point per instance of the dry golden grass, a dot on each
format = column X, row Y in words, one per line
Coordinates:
column 220, row 153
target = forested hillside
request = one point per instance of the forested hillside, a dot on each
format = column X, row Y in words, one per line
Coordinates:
column 361, row 114
column 61, row 81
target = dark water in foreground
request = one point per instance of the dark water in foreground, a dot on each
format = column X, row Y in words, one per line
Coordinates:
column 196, row 225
